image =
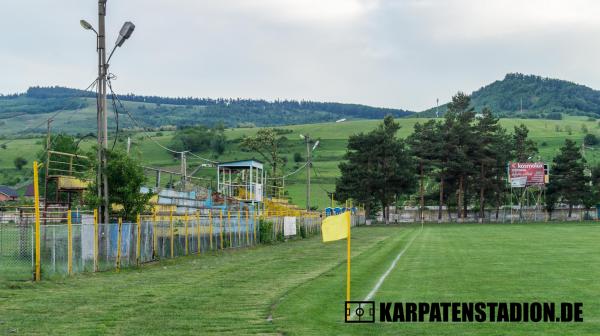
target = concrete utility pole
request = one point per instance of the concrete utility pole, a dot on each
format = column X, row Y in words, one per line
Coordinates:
column 309, row 151
column 183, row 170
column 308, row 166
column 102, row 116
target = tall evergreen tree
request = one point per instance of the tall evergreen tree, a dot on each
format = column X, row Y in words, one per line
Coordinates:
column 460, row 146
column 425, row 144
column 487, row 133
column 378, row 167
column 523, row 148
column 568, row 182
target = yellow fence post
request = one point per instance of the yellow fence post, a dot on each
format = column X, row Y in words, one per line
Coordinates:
column 69, row 243
column 247, row 229
column 95, row 240
column 172, row 233
column 239, row 227
column 254, row 224
column 229, row 226
column 120, row 225
column 36, row 194
column 139, row 239
column 210, row 231
column 154, row 236
column 185, row 218
column 221, row 227
column 198, row 231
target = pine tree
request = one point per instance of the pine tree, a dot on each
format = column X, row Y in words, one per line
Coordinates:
column 568, row 182
column 523, row 148
column 425, row 144
column 460, row 145
column 378, row 168
column 487, row 132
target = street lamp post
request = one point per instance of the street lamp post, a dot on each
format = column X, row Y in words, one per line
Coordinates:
column 307, row 139
column 124, row 34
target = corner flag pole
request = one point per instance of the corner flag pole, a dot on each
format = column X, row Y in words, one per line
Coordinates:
column 348, row 273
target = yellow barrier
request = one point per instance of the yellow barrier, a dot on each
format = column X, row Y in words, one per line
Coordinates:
column 119, row 244
column 239, row 230
column 247, row 229
column 172, row 233
column 139, row 239
column 220, row 228
column 186, row 233
column 229, row 226
column 210, row 231
column 95, row 240
column 36, row 197
column 198, row 232
column 69, row 243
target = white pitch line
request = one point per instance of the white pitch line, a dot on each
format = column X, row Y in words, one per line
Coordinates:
column 389, row 270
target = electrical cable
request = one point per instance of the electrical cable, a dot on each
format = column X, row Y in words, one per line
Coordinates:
column 144, row 130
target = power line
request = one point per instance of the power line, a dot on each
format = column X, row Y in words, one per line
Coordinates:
column 143, row 129
column 292, row 173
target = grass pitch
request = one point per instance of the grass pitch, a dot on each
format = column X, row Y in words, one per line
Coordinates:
column 298, row 287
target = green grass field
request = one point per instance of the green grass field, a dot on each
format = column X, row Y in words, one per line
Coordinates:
column 298, row 287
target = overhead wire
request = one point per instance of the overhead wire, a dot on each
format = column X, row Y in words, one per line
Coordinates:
column 287, row 175
column 143, row 129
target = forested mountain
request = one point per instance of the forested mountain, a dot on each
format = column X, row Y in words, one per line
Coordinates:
column 17, row 111
column 540, row 97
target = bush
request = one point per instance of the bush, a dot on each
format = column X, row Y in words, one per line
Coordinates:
column 303, row 232
column 590, row 140
column 298, row 157
column 265, row 230
column 554, row 116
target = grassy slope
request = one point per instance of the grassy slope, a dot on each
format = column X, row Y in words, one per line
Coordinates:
column 331, row 150
column 301, row 285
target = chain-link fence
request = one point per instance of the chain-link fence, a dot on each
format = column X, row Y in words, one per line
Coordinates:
column 72, row 241
column 499, row 215
column 16, row 245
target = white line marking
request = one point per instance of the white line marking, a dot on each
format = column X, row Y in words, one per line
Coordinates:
column 389, row 270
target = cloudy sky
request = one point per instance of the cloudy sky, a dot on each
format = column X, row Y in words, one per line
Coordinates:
column 391, row 53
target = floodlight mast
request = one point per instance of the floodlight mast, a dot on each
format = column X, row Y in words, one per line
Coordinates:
column 101, row 115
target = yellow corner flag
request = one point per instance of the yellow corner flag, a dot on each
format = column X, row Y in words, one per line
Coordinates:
column 336, row 227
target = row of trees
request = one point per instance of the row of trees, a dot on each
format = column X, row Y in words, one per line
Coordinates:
column 457, row 161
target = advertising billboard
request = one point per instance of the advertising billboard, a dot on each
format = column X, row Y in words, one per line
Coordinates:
column 523, row 174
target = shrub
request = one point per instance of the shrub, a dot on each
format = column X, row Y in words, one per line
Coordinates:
column 303, row 232
column 590, row 140
column 265, row 230
column 298, row 157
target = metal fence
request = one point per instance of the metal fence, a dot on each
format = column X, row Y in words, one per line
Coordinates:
column 74, row 242
column 16, row 248
column 500, row 215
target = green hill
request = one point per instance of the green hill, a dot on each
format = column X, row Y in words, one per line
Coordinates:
column 74, row 111
column 548, row 134
column 540, row 98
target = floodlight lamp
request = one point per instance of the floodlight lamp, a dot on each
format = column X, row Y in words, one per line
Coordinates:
column 125, row 33
column 86, row 25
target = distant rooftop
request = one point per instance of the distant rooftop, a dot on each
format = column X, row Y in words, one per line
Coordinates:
column 8, row 191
